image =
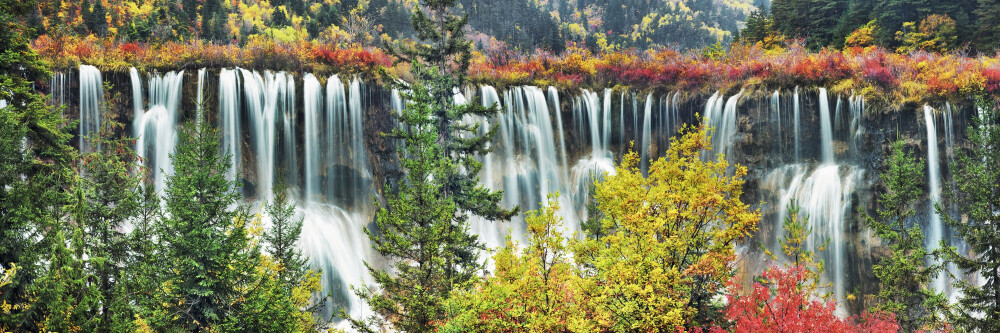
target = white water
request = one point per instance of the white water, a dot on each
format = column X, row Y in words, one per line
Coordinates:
column 229, row 118
column 646, row 135
column 91, row 106
column 155, row 120
column 535, row 155
column 312, row 108
column 935, row 229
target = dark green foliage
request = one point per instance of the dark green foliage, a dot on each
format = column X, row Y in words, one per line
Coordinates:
column 987, row 35
column 904, row 273
column 96, row 18
column 281, row 237
column 34, row 163
column 203, row 235
column 423, row 226
column 432, row 251
column 759, row 26
column 521, row 24
column 108, row 196
column 978, row 198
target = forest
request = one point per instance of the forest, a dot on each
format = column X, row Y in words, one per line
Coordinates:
column 499, row 166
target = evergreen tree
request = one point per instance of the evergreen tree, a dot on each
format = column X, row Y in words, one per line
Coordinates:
column 759, row 26
column 904, row 274
column 110, row 199
column 204, row 232
column 978, row 197
column 987, row 38
column 34, row 164
column 284, row 232
column 423, row 228
column 432, row 252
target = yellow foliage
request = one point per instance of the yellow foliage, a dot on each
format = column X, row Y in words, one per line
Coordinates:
column 669, row 237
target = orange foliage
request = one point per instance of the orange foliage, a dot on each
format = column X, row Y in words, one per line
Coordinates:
column 894, row 78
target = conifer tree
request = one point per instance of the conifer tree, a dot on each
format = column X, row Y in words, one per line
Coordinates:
column 445, row 55
column 34, row 163
column 284, row 232
column 204, row 232
column 431, row 253
column 978, row 197
column 110, row 199
column 904, row 274
column 423, row 226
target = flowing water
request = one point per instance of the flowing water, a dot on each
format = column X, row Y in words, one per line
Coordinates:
column 545, row 143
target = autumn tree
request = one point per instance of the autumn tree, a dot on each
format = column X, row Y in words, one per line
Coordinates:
column 779, row 304
column 904, row 274
column 533, row 287
column 936, row 33
column 669, row 238
column 978, row 198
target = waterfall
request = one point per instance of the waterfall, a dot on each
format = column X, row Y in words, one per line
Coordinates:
column 200, row 103
column 229, row 116
column 312, row 106
column 723, row 120
column 776, row 107
column 337, row 132
column 795, row 123
column 265, row 98
column 935, row 231
column 646, row 119
column 557, row 110
column 826, row 133
column 156, row 127
column 91, row 105
column 290, row 154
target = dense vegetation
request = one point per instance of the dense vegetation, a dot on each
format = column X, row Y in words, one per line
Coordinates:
column 87, row 245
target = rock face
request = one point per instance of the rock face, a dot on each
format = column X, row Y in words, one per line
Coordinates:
column 324, row 137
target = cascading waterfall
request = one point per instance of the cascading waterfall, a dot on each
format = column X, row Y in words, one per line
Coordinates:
column 722, row 118
column 646, row 136
column 312, row 106
column 557, row 110
column 536, row 153
column 229, row 115
column 824, row 195
column 91, row 105
column 935, row 229
column 776, row 107
column 826, row 132
column 156, row 126
column 265, row 98
column 796, row 123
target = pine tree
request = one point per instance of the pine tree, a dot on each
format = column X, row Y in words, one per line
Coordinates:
column 284, row 232
column 446, row 55
column 417, row 230
column 904, row 274
column 110, row 199
column 978, row 197
column 423, row 226
column 204, row 233
column 34, row 163
column 987, row 38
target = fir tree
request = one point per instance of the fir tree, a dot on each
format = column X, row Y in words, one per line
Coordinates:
column 34, row 164
column 903, row 274
column 285, row 231
column 110, row 199
column 978, row 197
column 431, row 252
column 204, row 232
